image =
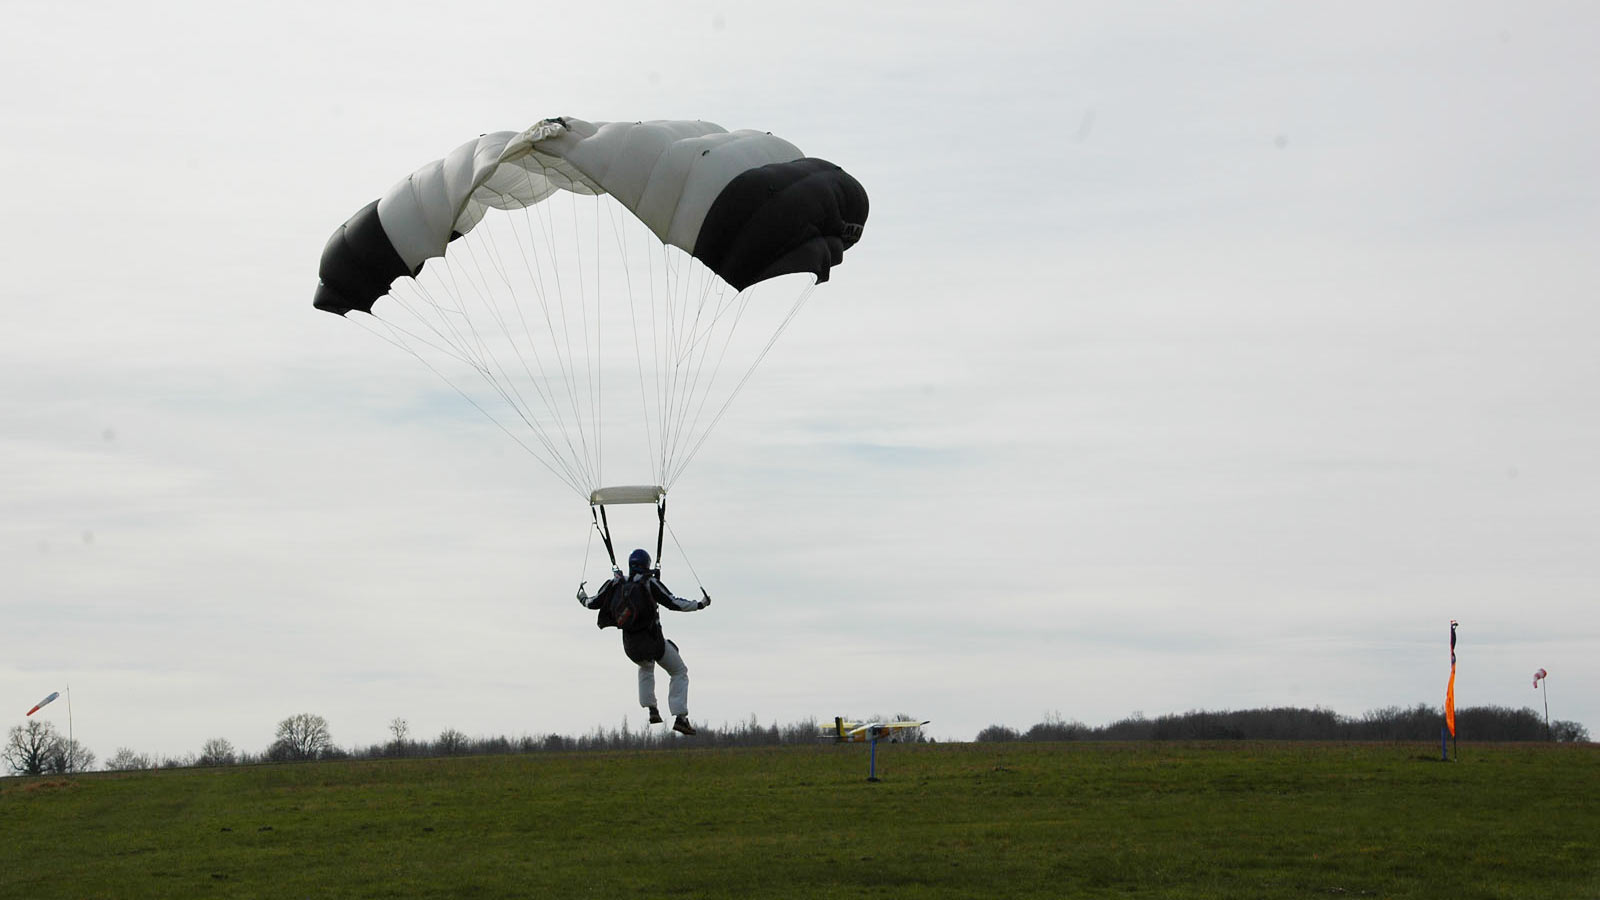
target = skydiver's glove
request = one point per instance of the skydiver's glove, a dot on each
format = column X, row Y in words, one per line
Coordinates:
column 706, row 602
column 583, row 596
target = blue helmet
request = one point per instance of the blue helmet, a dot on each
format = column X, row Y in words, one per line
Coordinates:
column 638, row 562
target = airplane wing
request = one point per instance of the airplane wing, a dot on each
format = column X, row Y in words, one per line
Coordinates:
column 858, row 732
column 884, row 729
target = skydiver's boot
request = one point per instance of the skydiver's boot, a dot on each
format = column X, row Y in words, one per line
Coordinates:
column 681, row 725
column 655, row 716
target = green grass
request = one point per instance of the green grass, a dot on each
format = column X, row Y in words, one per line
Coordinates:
column 1236, row 820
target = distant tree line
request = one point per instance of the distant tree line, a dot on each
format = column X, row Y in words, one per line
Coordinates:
column 306, row 736
column 38, row 749
column 1284, row 723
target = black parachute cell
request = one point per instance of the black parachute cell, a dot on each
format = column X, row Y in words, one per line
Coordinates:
column 780, row 219
column 358, row 265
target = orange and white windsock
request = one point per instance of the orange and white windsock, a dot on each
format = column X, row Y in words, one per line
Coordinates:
column 45, row 702
column 1538, row 676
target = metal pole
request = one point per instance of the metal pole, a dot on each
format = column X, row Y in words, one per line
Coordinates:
column 1545, row 693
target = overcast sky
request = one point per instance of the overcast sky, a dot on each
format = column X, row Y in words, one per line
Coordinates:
column 1195, row 357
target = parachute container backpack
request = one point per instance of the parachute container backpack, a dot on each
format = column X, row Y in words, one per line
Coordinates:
column 601, row 291
column 632, row 607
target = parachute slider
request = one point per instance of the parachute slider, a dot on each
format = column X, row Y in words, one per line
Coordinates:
column 627, row 493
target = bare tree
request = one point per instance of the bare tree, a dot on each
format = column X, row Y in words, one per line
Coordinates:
column 301, row 736
column 217, row 752
column 451, row 743
column 67, row 755
column 29, row 747
column 125, row 760
column 401, row 729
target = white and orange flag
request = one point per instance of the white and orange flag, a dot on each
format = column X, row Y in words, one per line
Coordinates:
column 1538, row 676
column 1450, row 691
column 45, row 702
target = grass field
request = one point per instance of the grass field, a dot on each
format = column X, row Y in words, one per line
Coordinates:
column 1235, row 820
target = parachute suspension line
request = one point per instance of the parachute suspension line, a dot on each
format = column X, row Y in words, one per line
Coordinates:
column 685, row 366
column 472, row 352
column 663, row 348
column 444, row 347
column 546, row 216
column 694, row 290
column 534, row 267
column 657, row 361
column 468, row 346
column 666, row 362
column 592, row 352
column 560, row 471
column 497, row 258
column 741, row 302
column 782, row 327
column 685, row 556
column 521, row 405
column 687, row 432
column 457, row 349
column 575, row 391
column 502, row 384
column 536, row 276
column 682, row 355
column 620, row 233
column 444, row 324
column 526, row 240
column 588, row 546
column 566, row 335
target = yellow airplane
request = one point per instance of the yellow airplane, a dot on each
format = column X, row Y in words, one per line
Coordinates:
column 844, row 732
column 869, row 733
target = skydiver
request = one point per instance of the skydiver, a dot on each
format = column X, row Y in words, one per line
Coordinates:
column 642, row 640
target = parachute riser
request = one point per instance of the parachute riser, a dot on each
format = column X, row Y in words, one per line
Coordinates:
column 604, row 527
column 597, row 511
column 661, row 529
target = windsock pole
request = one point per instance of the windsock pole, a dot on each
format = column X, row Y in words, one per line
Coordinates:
column 1544, row 692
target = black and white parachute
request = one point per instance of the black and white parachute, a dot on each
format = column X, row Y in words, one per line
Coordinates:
column 598, row 289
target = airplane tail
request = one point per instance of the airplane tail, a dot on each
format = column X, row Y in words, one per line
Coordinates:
column 838, row 728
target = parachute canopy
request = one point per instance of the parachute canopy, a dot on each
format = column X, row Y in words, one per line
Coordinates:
column 578, row 280
column 747, row 204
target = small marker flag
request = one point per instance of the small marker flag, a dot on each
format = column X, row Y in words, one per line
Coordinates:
column 1450, row 691
column 43, row 703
